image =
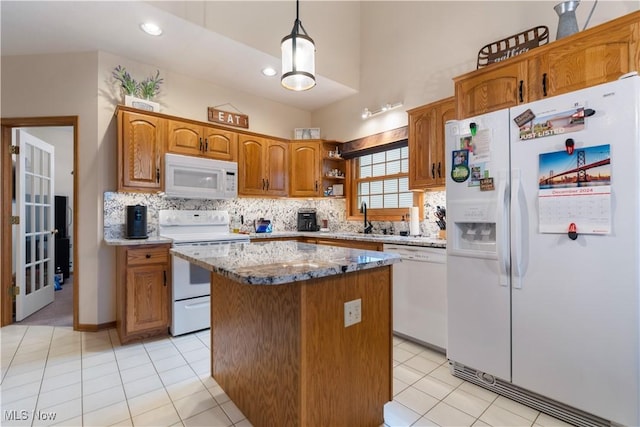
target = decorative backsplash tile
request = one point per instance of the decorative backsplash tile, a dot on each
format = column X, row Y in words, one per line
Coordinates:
column 281, row 212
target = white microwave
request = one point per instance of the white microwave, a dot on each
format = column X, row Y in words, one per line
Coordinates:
column 199, row 178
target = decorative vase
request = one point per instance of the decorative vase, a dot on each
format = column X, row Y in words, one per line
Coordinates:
column 142, row 104
column 567, row 24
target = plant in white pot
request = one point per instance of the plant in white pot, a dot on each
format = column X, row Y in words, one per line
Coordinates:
column 136, row 94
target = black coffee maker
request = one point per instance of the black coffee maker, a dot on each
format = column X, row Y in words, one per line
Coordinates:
column 307, row 220
column 136, row 222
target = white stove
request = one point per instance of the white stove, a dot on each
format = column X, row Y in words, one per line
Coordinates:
column 191, row 284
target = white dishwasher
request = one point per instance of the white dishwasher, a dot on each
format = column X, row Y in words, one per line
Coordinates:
column 420, row 294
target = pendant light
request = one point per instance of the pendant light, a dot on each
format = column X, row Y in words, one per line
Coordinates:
column 298, row 57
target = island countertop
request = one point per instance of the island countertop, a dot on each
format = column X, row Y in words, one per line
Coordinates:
column 275, row 263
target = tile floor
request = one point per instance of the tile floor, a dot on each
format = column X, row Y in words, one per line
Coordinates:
column 55, row 376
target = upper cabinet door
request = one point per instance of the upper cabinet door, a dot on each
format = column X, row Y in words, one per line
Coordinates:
column 305, row 169
column 184, row 138
column 276, row 168
column 493, row 88
column 251, row 174
column 426, row 143
column 220, row 144
column 590, row 60
column 140, row 152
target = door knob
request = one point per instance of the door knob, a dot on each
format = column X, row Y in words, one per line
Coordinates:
column 54, row 231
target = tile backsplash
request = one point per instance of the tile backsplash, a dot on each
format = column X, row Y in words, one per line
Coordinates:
column 281, row 212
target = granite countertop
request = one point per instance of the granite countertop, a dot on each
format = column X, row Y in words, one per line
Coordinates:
column 378, row 238
column 121, row 241
column 275, row 263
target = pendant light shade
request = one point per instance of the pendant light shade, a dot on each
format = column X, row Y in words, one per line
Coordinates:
column 298, row 58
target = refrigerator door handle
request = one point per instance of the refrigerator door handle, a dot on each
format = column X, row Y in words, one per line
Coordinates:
column 502, row 237
column 516, row 230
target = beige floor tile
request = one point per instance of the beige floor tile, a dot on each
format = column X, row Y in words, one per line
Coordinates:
column 549, row 421
column 169, row 363
column 466, row 402
column 148, row 401
column 197, row 355
column 138, row 372
column 398, row 386
column 433, row 355
column 91, row 372
column 101, row 383
column 421, row 364
column 232, row 411
column 497, row 416
column 517, row 408
column 185, row 388
column 478, row 391
column 163, row 416
column 407, row 374
column 401, row 355
column 411, row 347
column 54, row 397
column 219, row 395
column 73, row 422
column 176, row 375
column 10, row 380
column 60, row 381
column 133, row 360
column 142, row 385
column 243, row 423
column 62, row 368
column 201, row 367
column 416, row 400
column 160, row 353
column 68, row 409
column 194, row 404
column 8, row 395
column 117, row 414
column 214, row 417
column 442, row 373
column 434, row 387
column 446, row 415
column 107, row 397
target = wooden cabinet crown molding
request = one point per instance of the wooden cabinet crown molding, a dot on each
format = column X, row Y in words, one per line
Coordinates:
column 196, row 122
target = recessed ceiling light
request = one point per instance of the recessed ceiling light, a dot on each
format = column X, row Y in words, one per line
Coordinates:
column 151, row 29
column 269, row 71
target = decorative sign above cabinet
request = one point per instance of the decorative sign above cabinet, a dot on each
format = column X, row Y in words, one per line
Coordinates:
column 228, row 118
column 512, row 46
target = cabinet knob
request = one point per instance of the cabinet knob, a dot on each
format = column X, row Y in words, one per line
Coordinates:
column 433, row 171
column 439, row 170
column 147, row 256
column 544, row 84
column 200, row 144
column 206, row 144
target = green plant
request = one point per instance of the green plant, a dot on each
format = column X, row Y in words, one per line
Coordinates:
column 150, row 86
column 128, row 84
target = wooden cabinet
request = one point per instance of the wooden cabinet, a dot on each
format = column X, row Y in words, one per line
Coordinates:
column 143, row 291
column 140, row 151
column 305, row 169
column 426, row 144
column 606, row 53
column 493, row 88
column 204, row 141
column 262, row 166
column 313, row 169
column 598, row 55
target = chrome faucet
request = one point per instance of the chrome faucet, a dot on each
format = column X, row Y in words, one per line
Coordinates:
column 367, row 224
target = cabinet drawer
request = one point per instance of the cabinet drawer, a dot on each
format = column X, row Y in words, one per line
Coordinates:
column 143, row 256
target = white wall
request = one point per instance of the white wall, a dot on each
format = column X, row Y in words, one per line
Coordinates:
column 411, row 50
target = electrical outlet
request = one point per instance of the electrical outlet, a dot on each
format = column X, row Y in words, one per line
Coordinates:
column 352, row 312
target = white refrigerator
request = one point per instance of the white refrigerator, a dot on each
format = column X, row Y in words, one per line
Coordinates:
column 543, row 258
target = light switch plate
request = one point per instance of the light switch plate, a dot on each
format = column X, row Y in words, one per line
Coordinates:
column 352, row 312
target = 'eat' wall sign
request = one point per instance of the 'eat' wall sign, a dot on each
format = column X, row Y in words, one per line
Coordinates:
column 227, row 118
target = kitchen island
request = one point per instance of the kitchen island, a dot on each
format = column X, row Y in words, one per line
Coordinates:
column 279, row 345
